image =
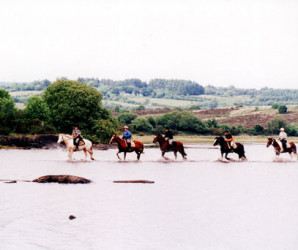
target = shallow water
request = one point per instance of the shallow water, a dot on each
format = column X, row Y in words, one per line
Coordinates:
column 200, row 203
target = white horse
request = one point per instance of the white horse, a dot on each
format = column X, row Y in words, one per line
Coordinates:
column 68, row 140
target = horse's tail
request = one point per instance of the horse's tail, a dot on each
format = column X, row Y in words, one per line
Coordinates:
column 142, row 149
column 241, row 151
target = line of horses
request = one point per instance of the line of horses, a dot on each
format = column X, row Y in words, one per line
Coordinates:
column 177, row 146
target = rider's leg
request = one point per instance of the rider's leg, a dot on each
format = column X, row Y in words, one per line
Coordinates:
column 76, row 142
column 128, row 145
column 284, row 145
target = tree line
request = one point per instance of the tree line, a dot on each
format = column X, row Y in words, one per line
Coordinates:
column 65, row 104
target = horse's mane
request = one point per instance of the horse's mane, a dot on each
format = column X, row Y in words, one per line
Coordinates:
column 67, row 135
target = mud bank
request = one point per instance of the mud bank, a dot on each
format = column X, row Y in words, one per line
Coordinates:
column 38, row 141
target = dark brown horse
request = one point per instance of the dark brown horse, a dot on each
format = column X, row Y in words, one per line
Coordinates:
column 177, row 146
column 277, row 147
column 122, row 147
column 224, row 148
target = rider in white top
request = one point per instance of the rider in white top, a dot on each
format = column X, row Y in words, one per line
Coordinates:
column 283, row 139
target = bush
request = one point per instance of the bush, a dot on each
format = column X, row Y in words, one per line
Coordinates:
column 282, row 109
column 104, row 129
column 275, row 105
column 142, row 125
column 258, row 129
column 275, row 125
column 184, row 121
column 126, row 118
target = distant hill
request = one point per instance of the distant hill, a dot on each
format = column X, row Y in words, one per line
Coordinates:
column 165, row 93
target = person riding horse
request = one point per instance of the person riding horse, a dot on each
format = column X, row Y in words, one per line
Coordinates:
column 230, row 140
column 127, row 137
column 169, row 138
column 283, row 139
column 77, row 137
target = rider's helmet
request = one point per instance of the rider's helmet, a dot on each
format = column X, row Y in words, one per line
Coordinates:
column 167, row 128
column 125, row 127
column 282, row 129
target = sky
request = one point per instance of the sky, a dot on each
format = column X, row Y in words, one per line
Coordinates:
column 248, row 44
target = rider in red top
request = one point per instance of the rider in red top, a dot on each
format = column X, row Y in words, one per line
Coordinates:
column 229, row 139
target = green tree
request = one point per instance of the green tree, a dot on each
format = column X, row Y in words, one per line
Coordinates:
column 282, row 109
column 258, row 129
column 36, row 108
column 75, row 103
column 126, row 118
column 152, row 121
column 184, row 121
column 275, row 125
column 141, row 125
column 104, row 129
column 275, row 105
column 7, row 112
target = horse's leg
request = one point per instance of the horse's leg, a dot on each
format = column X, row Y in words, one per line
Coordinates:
column 124, row 155
column 70, row 154
column 227, row 156
column 85, row 152
column 118, row 155
column 175, row 153
column 91, row 153
column 138, row 154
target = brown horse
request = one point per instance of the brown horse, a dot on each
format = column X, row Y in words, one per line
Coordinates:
column 122, row 147
column 277, row 147
column 177, row 146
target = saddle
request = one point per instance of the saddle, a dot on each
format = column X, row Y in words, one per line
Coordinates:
column 132, row 144
column 281, row 146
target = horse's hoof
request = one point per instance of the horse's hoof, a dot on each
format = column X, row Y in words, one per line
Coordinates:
column 92, row 159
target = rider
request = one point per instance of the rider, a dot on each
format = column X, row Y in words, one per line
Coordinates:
column 77, row 137
column 283, row 139
column 169, row 138
column 229, row 139
column 127, row 137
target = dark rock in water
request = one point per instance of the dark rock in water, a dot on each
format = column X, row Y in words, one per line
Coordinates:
column 71, row 217
column 66, row 179
column 10, row 182
column 134, row 181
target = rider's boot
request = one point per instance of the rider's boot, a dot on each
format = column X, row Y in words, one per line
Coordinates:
column 129, row 146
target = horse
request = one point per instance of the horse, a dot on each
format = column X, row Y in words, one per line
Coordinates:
column 122, row 147
column 277, row 147
column 68, row 140
column 177, row 146
column 224, row 148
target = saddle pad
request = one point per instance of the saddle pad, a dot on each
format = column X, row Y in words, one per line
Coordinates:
column 132, row 144
column 280, row 144
column 81, row 143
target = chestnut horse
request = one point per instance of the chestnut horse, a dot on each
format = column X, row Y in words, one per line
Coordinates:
column 277, row 147
column 224, row 148
column 177, row 146
column 122, row 147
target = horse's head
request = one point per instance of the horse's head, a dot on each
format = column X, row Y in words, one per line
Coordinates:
column 60, row 138
column 270, row 141
column 216, row 140
column 113, row 139
column 157, row 138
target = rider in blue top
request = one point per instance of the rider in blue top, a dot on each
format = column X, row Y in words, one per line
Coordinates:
column 127, row 137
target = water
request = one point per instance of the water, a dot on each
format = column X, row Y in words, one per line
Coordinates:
column 200, row 203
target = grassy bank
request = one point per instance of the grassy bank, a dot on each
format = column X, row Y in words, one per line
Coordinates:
column 210, row 138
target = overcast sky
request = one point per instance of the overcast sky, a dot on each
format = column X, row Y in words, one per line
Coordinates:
column 251, row 43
